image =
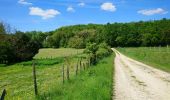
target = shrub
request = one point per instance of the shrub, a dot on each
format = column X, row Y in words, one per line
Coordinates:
column 103, row 51
column 76, row 42
column 17, row 47
column 97, row 52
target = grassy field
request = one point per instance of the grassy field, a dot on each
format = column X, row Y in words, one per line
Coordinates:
column 95, row 82
column 158, row 57
column 53, row 53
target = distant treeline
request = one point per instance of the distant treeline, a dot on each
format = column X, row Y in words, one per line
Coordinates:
column 133, row 34
column 19, row 46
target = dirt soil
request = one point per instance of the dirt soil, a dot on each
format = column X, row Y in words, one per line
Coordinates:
column 137, row 81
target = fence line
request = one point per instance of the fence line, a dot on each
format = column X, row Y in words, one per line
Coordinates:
column 80, row 65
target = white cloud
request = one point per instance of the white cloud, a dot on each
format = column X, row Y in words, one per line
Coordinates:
column 108, row 6
column 45, row 14
column 149, row 12
column 70, row 9
column 82, row 4
column 24, row 2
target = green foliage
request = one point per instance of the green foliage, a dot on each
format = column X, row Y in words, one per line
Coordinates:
column 133, row 34
column 2, row 28
column 76, row 42
column 91, row 48
column 16, row 47
column 39, row 37
column 24, row 47
column 6, row 52
column 103, row 51
column 97, row 52
column 65, row 36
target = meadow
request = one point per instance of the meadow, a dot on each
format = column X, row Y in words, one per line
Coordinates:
column 53, row 53
column 93, row 83
column 158, row 57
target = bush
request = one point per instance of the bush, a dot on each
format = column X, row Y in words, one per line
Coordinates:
column 17, row 47
column 103, row 51
column 97, row 52
column 24, row 47
column 76, row 42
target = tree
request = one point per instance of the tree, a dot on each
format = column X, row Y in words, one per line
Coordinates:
column 24, row 47
column 91, row 49
column 76, row 42
column 2, row 28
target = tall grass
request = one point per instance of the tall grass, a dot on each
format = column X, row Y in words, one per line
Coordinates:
column 17, row 79
column 158, row 57
column 93, row 84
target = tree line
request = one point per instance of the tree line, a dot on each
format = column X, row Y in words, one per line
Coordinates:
column 20, row 46
column 132, row 34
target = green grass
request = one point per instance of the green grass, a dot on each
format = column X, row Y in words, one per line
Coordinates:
column 158, row 57
column 53, row 53
column 17, row 78
column 93, row 84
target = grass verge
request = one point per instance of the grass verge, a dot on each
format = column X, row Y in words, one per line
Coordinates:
column 158, row 57
column 92, row 84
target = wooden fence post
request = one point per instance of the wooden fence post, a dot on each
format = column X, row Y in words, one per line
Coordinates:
column 34, row 78
column 68, row 76
column 77, row 66
column 3, row 95
column 63, row 73
column 80, row 64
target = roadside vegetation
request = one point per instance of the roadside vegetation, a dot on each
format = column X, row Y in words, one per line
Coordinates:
column 17, row 78
column 158, row 57
column 94, row 84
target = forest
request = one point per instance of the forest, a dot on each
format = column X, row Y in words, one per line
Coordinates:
column 20, row 46
column 133, row 34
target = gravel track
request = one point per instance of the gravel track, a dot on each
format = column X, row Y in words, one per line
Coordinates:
column 137, row 81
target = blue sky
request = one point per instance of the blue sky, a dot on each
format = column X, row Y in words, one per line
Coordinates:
column 47, row 15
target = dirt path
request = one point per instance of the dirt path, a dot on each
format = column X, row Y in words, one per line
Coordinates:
column 137, row 81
